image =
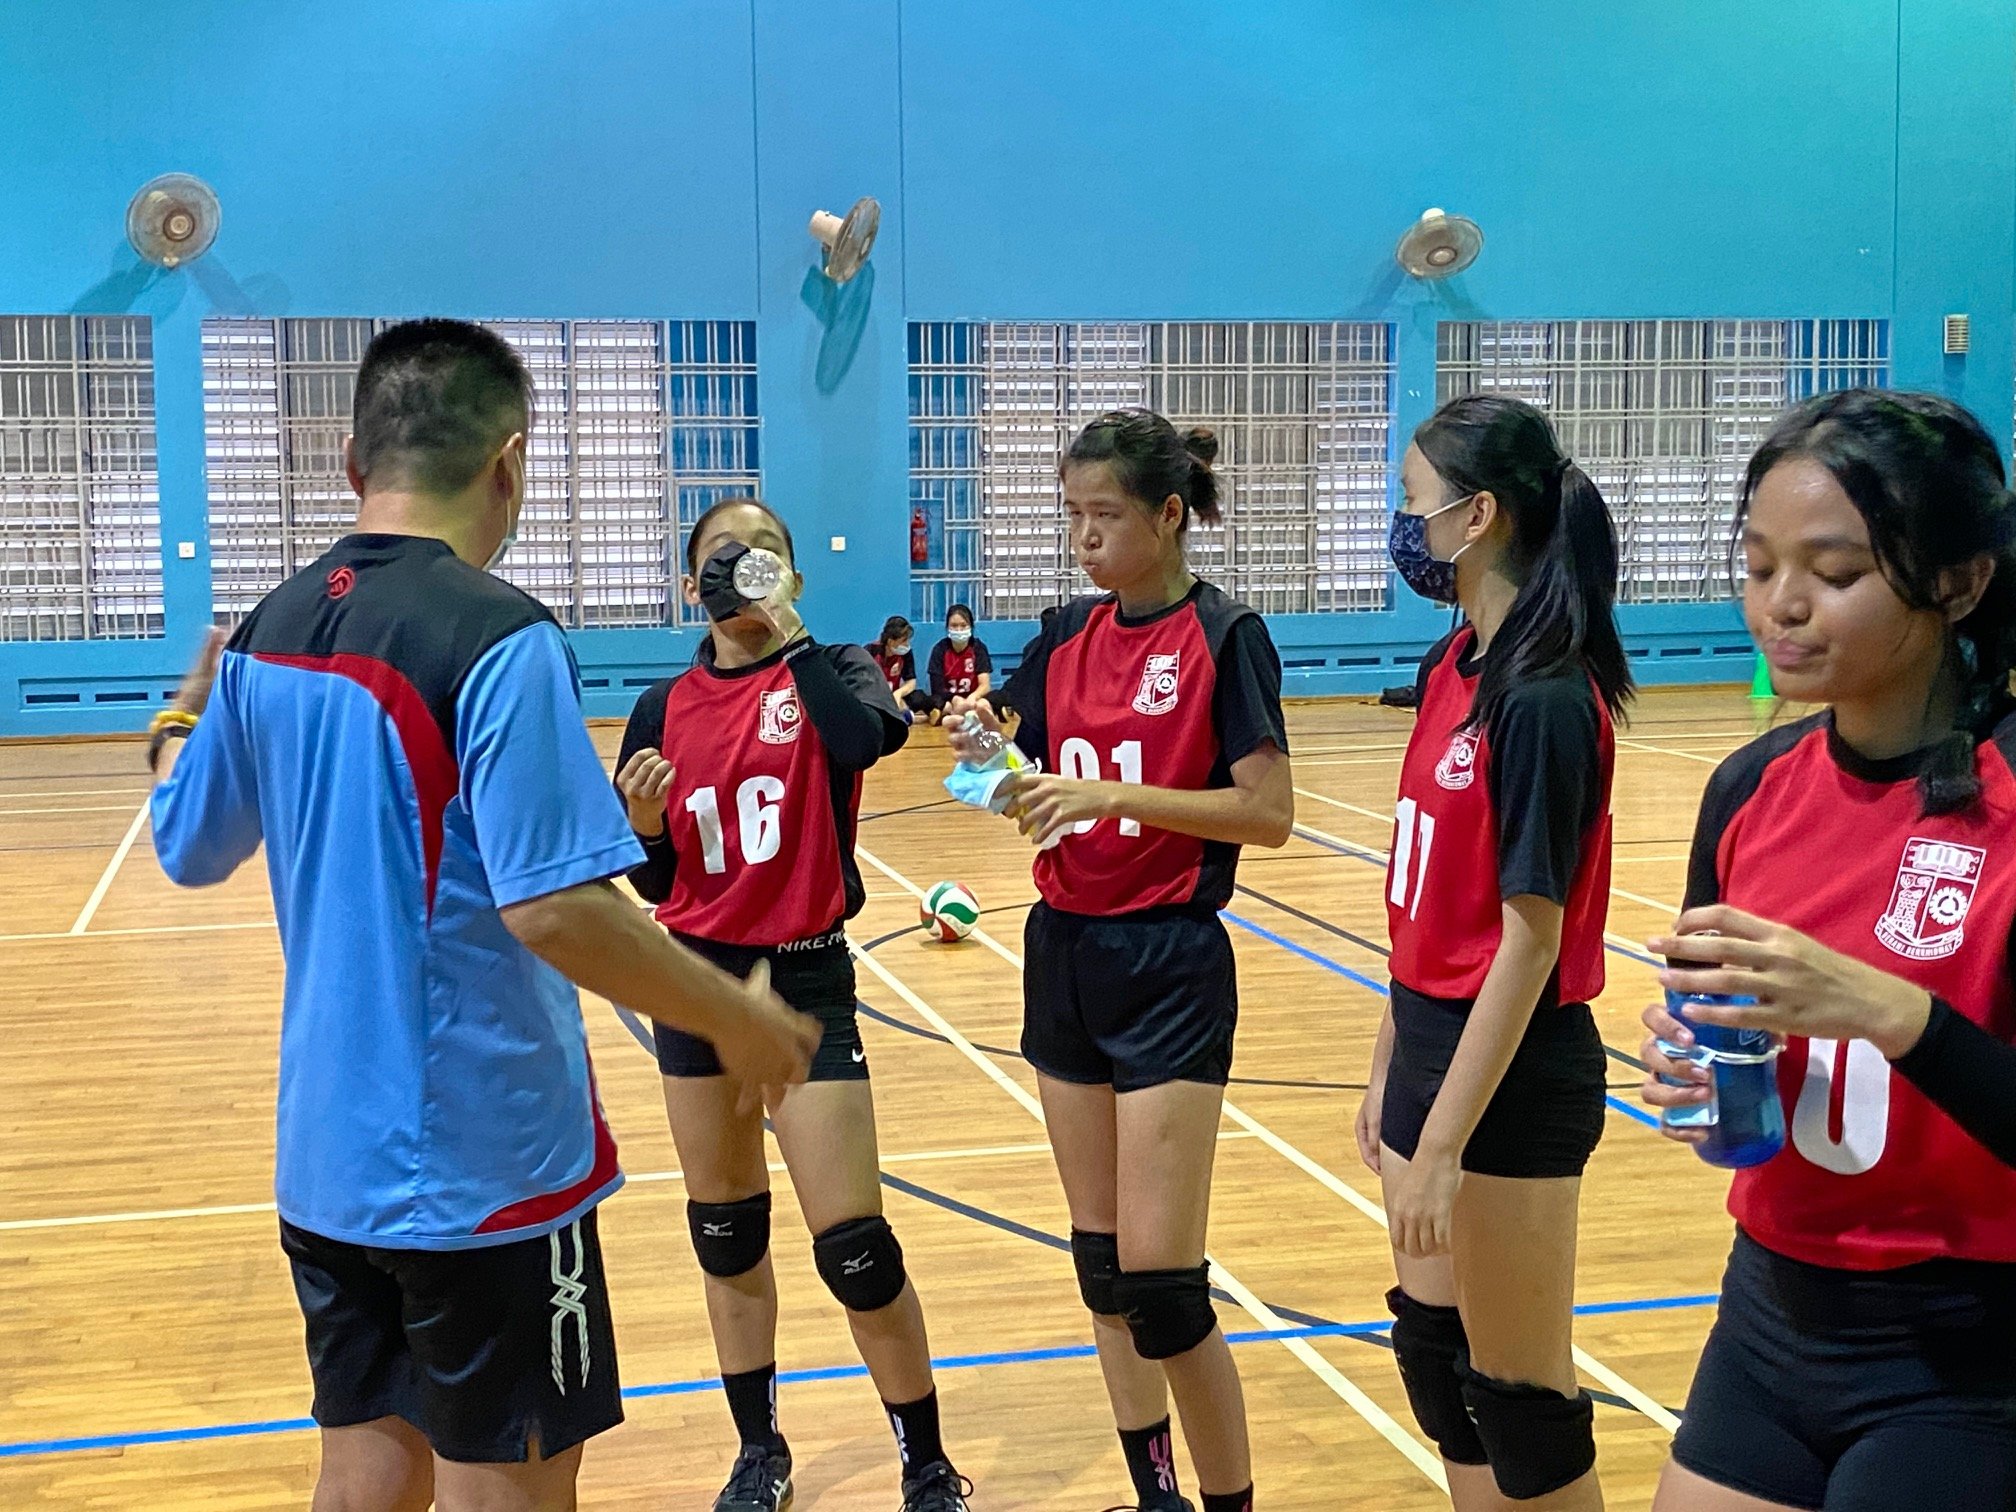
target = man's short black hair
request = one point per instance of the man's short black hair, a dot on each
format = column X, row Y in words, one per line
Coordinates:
column 434, row 399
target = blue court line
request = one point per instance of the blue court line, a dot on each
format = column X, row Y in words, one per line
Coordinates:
column 22, row 1448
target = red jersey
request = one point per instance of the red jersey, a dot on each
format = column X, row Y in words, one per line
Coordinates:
column 896, row 670
column 956, row 673
column 761, row 815
column 1798, row 829
column 1170, row 701
column 1520, row 810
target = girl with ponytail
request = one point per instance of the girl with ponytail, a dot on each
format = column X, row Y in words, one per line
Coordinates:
column 1485, row 1098
column 1854, row 873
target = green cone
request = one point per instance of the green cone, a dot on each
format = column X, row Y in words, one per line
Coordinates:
column 1760, row 680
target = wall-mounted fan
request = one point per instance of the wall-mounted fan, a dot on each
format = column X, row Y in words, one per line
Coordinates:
column 847, row 241
column 1439, row 244
column 173, row 219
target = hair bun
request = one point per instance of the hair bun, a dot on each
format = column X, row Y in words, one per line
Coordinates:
column 1202, row 443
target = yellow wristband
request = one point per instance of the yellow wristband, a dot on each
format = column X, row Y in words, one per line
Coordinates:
column 181, row 718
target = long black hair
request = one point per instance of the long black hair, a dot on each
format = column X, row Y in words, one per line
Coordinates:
column 892, row 627
column 1151, row 461
column 1927, row 480
column 1563, row 550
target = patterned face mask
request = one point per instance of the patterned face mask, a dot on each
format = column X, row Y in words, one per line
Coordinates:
column 1419, row 568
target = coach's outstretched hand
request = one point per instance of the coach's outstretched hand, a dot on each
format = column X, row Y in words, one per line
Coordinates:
column 769, row 1043
column 194, row 694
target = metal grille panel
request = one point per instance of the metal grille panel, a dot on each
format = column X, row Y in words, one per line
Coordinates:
column 1303, row 415
column 80, row 494
column 641, row 426
column 1664, row 415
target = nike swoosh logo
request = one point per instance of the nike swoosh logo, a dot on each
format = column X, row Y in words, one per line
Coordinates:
column 860, row 1056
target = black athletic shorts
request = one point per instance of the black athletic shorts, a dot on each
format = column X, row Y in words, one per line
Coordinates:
column 1547, row 1114
column 1858, row 1391
column 485, row 1351
column 815, row 976
column 1134, row 1001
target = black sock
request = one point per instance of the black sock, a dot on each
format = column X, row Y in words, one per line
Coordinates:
column 916, row 1427
column 1151, row 1461
column 1238, row 1501
column 752, row 1398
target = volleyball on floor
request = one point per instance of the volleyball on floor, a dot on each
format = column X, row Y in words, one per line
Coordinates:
column 949, row 912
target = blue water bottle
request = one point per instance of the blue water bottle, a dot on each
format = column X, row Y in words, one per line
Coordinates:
column 1744, row 1117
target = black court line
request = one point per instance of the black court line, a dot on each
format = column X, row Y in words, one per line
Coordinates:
column 915, row 808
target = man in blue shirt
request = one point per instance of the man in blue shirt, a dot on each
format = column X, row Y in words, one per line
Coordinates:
column 403, row 733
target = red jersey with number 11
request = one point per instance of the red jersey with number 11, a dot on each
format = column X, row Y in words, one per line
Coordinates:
column 1171, row 701
column 1484, row 815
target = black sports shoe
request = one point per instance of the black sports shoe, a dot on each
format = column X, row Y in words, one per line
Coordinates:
column 760, row 1481
column 936, row 1488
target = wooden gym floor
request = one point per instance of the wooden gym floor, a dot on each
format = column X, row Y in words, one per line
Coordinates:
column 150, row 1350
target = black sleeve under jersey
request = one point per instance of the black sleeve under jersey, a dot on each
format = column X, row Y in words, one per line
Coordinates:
column 1246, row 704
column 1428, row 665
column 982, row 662
column 1970, row 1074
column 941, row 681
column 1025, row 693
column 848, row 702
column 1545, row 773
column 652, row 879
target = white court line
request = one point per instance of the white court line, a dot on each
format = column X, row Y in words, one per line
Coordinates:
column 159, row 1215
column 120, row 792
column 1322, row 761
column 143, row 929
column 1322, row 1174
column 1639, row 745
column 80, row 808
column 1381, row 1420
column 1618, row 892
column 112, row 869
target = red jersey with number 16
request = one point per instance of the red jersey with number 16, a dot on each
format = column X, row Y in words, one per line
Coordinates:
column 1171, row 701
column 755, row 810
column 1799, row 829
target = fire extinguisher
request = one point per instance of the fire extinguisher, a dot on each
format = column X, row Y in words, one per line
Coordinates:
column 920, row 536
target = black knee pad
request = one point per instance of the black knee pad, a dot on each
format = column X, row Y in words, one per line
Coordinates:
column 1538, row 1440
column 861, row 1263
column 731, row 1238
column 1168, row 1312
column 1428, row 1345
column 1097, row 1257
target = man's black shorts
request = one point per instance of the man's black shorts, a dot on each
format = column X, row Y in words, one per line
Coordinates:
column 486, row 1351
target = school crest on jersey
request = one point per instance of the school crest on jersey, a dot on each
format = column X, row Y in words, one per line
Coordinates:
column 780, row 719
column 1458, row 767
column 1927, row 916
column 1157, row 694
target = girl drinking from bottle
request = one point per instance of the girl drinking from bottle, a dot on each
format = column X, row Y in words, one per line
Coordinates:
column 743, row 780
column 1155, row 710
column 1486, row 1094
column 1854, row 874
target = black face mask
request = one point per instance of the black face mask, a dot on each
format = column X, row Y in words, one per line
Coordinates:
column 718, row 594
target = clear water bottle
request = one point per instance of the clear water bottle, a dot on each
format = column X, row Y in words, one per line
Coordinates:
column 1743, row 1116
column 757, row 573
column 987, row 744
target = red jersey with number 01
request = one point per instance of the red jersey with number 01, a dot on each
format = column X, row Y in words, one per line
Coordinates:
column 1444, row 905
column 1797, row 829
column 1139, row 704
column 752, row 810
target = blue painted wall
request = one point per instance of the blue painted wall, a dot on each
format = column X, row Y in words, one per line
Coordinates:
column 1177, row 159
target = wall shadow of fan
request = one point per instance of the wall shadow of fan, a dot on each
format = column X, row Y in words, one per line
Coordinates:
column 842, row 313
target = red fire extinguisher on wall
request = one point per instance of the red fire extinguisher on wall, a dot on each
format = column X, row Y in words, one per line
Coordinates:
column 920, row 535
